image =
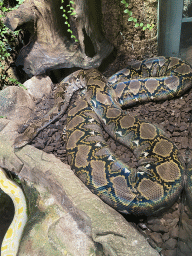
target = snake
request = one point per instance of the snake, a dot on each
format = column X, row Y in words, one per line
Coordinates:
column 13, row 235
column 159, row 178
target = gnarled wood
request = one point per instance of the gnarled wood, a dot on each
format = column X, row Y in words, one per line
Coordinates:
column 50, row 45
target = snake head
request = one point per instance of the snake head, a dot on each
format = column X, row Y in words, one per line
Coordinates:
column 21, row 141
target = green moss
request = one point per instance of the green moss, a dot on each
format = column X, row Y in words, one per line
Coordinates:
column 8, row 41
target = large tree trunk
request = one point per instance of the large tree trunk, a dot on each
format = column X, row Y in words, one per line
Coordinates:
column 50, row 45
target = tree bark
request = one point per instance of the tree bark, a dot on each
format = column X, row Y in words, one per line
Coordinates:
column 50, row 46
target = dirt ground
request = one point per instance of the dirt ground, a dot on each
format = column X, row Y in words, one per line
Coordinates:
column 131, row 42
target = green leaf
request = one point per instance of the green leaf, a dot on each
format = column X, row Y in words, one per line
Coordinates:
column 69, row 30
column 135, row 20
column 148, row 25
column 136, row 25
column 123, row 2
column 126, row 11
column 4, row 9
column 71, row 2
column 73, row 13
column 12, row 80
column 76, row 40
column 61, row 7
column 72, row 36
column 126, row 5
column 130, row 13
column 144, row 28
column 22, row 86
column 130, row 19
column 141, row 24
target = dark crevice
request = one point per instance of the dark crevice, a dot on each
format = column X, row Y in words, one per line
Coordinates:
column 89, row 47
column 57, row 75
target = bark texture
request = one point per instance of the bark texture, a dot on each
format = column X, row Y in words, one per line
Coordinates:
column 50, row 46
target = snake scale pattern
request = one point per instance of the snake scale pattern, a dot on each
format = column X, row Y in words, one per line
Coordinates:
column 159, row 178
column 12, row 237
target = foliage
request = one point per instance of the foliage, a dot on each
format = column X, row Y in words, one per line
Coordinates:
column 131, row 18
column 70, row 11
column 8, row 40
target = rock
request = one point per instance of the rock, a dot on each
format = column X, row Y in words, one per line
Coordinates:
column 39, row 86
column 170, row 253
column 157, row 225
column 158, row 228
column 184, row 142
column 165, row 236
column 174, row 233
column 157, row 237
column 184, row 248
column 170, row 244
column 170, row 128
column 16, row 104
column 183, row 234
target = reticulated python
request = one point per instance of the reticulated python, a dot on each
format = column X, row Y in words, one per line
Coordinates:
column 159, row 179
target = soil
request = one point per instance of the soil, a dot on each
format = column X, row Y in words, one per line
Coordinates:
column 131, row 42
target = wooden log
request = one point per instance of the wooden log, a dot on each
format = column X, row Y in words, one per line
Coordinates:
column 50, row 45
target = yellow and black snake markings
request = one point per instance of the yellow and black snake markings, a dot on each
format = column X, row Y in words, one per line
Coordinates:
column 13, row 235
column 157, row 181
column 156, row 78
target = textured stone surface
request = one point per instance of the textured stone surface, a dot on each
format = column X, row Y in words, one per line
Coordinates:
column 39, row 86
column 15, row 104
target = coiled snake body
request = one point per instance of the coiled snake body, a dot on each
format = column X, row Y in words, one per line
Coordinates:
column 159, row 178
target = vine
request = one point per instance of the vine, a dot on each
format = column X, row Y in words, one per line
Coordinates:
column 72, row 12
column 8, row 40
column 134, row 20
